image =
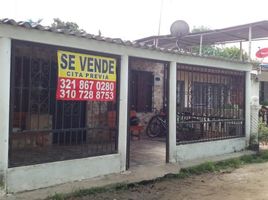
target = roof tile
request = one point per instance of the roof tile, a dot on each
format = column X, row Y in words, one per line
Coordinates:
column 82, row 34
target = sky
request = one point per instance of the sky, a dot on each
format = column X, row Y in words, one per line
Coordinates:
column 134, row 19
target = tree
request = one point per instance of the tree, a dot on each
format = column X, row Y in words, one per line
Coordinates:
column 214, row 50
column 33, row 22
column 70, row 26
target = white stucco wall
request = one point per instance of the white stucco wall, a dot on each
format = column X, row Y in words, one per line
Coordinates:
column 207, row 149
column 254, row 104
column 44, row 175
column 5, row 60
column 255, row 86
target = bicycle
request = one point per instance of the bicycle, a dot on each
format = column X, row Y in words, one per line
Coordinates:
column 158, row 125
column 188, row 127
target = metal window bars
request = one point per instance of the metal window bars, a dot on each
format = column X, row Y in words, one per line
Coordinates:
column 43, row 129
column 213, row 104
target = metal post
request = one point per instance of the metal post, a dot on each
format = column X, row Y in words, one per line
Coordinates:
column 200, row 45
column 249, row 42
column 241, row 51
column 159, row 23
column 5, row 65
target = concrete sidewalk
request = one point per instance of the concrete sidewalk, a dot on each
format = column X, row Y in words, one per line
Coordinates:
column 133, row 175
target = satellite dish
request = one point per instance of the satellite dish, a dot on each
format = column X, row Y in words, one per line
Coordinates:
column 179, row 28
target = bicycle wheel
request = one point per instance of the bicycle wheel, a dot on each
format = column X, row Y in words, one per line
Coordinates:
column 154, row 127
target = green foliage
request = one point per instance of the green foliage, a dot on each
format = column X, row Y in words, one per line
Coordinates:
column 1, row 181
column 57, row 197
column 198, row 29
column 263, row 133
column 264, row 103
column 34, row 22
column 199, row 169
column 232, row 53
column 69, row 26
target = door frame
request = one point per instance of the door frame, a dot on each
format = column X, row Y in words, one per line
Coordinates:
column 166, row 84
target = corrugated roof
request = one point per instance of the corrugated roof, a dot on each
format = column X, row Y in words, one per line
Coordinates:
column 218, row 36
column 135, row 44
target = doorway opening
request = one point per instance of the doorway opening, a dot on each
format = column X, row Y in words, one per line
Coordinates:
column 148, row 116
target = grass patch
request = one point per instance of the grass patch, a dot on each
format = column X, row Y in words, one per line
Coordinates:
column 1, row 181
column 208, row 167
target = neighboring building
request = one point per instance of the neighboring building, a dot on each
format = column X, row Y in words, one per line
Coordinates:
column 263, row 78
column 237, row 34
column 50, row 135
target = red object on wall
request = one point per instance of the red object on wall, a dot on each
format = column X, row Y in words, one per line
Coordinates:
column 262, row 53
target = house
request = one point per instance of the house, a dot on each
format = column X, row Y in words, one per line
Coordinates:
column 67, row 98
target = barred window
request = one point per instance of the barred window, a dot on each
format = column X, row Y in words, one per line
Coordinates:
column 44, row 129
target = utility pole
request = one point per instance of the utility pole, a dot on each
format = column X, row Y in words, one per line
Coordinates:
column 159, row 22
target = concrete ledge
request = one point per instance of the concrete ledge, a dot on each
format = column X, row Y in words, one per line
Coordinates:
column 2, row 193
column 212, row 148
column 191, row 163
column 133, row 175
column 45, row 175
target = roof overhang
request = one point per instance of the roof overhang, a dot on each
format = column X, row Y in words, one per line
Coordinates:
column 246, row 32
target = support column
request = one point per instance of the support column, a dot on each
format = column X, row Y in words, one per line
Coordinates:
column 241, row 51
column 123, row 112
column 249, row 43
column 5, row 65
column 172, row 111
column 247, row 106
column 254, row 105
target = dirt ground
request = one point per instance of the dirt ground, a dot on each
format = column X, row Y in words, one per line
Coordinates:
column 248, row 183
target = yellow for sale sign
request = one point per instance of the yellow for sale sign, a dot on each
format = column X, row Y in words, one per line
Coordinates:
column 85, row 77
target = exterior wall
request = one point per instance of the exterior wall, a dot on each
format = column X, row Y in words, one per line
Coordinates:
column 263, row 77
column 265, row 92
column 207, row 149
column 44, row 175
column 48, row 174
column 5, row 55
column 158, row 89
